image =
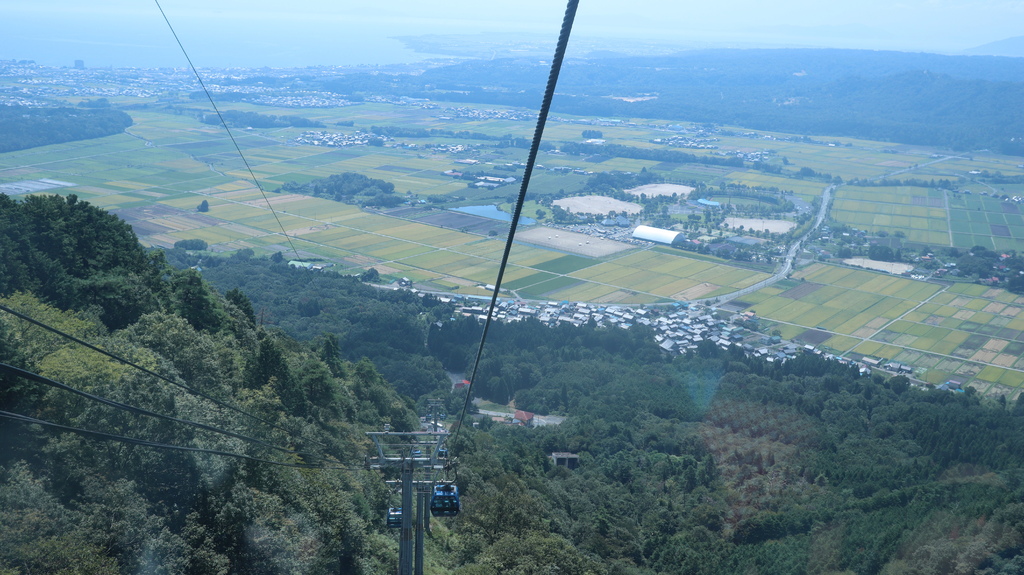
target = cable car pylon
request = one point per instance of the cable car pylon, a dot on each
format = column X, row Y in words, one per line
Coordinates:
column 420, row 457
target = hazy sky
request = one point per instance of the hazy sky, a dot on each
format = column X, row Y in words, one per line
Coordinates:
column 313, row 32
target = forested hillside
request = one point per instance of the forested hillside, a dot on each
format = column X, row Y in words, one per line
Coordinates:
column 388, row 327
column 702, row 463
column 73, row 503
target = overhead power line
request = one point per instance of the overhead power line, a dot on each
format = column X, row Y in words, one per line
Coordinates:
column 231, row 136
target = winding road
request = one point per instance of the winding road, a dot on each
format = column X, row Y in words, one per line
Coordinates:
column 788, row 261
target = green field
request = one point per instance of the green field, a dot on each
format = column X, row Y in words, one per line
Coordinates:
column 967, row 332
column 167, row 164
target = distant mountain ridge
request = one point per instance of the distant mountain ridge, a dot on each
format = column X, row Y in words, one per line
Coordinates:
column 1010, row 47
column 958, row 102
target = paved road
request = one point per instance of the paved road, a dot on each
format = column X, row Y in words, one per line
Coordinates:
column 787, row 263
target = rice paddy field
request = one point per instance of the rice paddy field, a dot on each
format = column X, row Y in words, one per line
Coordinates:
column 965, row 332
column 932, row 216
column 920, row 213
column 157, row 173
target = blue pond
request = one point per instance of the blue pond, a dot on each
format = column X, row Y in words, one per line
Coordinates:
column 493, row 213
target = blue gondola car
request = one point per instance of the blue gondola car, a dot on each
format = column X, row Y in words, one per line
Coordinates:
column 442, row 453
column 395, row 517
column 445, row 501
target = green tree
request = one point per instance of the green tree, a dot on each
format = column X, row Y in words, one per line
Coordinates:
column 370, row 276
column 194, row 244
column 238, row 299
column 193, row 301
column 538, row 554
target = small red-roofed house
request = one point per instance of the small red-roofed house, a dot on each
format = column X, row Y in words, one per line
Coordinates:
column 524, row 418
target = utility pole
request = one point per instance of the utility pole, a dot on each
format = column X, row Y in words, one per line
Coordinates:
column 418, row 456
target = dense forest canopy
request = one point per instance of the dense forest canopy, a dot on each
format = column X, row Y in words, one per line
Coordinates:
column 386, row 326
column 75, row 504
column 709, row 462
column 24, row 127
column 75, row 256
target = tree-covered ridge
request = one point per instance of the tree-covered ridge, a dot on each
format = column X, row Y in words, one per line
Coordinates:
column 388, row 327
column 715, row 463
column 24, row 127
column 928, row 99
column 74, row 255
column 76, row 504
column 69, row 499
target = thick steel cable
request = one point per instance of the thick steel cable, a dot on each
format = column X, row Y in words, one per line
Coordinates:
column 549, row 93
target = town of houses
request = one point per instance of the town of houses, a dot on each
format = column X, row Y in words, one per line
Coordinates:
column 679, row 328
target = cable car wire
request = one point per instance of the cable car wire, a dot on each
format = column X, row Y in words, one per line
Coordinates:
column 101, row 436
column 549, row 92
column 238, row 149
column 18, row 372
column 130, row 363
column 231, row 135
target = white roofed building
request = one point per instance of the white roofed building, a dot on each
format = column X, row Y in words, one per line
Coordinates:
column 657, row 235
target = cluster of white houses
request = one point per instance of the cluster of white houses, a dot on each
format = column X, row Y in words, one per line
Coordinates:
column 679, row 328
column 335, row 139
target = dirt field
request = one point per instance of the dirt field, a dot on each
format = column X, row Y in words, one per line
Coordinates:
column 891, row 267
column 995, row 345
column 773, row 226
column 597, row 205
column 894, row 164
column 571, row 242
column 662, row 190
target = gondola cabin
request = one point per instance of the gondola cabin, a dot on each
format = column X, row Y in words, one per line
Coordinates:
column 395, row 518
column 445, row 501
